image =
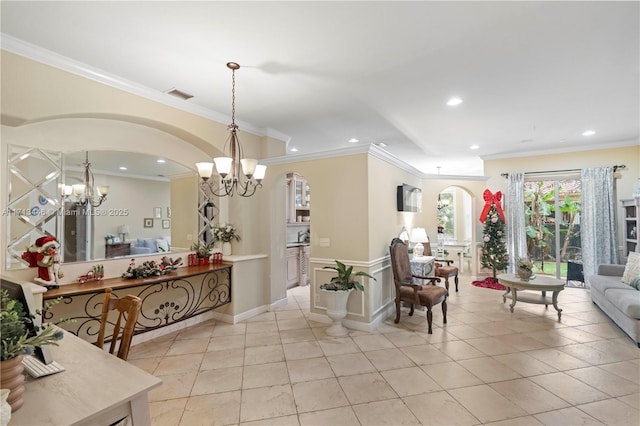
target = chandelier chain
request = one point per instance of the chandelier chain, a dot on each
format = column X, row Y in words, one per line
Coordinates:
column 233, row 97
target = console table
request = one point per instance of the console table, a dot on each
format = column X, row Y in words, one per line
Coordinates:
column 540, row 283
column 96, row 388
column 117, row 249
column 166, row 299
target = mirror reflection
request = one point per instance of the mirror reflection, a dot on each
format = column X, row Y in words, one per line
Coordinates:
column 133, row 219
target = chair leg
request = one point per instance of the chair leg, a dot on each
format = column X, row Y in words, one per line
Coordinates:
column 397, row 320
column 411, row 310
column 456, row 281
column 444, row 311
column 429, row 319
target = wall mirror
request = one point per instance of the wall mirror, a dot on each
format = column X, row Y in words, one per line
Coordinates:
column 125, row 224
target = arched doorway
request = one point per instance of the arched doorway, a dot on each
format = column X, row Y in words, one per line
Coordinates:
column 456, row 226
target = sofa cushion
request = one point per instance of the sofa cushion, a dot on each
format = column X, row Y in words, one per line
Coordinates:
column 627, row 300
column 162, row 244
column 632, row 269
column 635, row 283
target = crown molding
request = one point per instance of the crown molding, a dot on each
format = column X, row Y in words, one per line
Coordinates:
column 604, row 145
column 374, row 151
column 47, row 57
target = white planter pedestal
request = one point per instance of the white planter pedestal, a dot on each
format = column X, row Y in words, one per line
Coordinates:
column 337, row 310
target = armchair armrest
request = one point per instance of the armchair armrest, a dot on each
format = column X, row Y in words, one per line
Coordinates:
column 433, row 280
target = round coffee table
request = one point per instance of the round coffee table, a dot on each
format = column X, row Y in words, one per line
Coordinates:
column 541, row 283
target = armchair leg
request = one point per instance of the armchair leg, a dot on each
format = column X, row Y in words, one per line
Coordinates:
column 444, row 311
column 456, row 281
column 397, row 320
column 429, row 319
column 411, row 310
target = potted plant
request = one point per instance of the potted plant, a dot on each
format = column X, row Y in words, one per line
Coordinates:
column 337, row 294
column 16, row 342
column 525, row 268
column 203, row 251
column 225, row 233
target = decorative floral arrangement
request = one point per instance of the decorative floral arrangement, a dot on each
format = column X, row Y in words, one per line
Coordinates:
column 13, row 329
column 151, row 268
column 225, row 233
column 109, row 236
column 202, row 249
column 525, row 263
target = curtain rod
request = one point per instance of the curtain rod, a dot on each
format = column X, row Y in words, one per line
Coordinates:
column 615, row 168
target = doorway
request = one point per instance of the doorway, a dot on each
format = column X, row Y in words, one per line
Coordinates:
column 552, row 210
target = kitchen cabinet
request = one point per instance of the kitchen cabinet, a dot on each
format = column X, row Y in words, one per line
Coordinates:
column 630, row 226
column 293, row 266
column 298, row 199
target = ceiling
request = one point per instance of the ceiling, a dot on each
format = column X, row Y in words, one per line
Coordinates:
column 533, row 76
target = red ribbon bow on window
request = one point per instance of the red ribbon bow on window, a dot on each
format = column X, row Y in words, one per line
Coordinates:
column 490, row 199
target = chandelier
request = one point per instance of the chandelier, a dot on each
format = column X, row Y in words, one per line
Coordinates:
column 233, row 181
column 86, row 193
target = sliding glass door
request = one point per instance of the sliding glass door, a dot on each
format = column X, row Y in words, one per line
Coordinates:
column 552, row 209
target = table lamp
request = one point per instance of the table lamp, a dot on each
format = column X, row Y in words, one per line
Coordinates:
column 419, row 236
column 124, row 230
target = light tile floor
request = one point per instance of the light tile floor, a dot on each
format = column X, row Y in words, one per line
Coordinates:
column 486, row 366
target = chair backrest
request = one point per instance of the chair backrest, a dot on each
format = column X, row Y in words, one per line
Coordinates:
column 128, row 309
column 427, row 249
column 400, row 263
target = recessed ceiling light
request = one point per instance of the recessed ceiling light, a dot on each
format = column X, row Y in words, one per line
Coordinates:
column 160, row 160
column 588, row 133
column 294, row 150
column 454, row 101
column 474, row 147
column 353, row 140
column 123, row 168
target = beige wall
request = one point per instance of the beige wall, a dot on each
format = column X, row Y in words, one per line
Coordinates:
column 184, row 218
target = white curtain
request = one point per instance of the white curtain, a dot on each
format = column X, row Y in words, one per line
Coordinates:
column 516, row 226
column 598, row 219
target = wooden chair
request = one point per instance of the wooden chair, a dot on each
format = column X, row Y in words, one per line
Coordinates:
column 443, row 267
column 414, row 294
column 128, row 308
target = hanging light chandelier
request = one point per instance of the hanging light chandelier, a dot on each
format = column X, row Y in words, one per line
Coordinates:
column 233, row 181
column 86, row 193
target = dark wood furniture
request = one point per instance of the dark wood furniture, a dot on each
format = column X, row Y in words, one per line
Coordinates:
column 414, row 294
column 117, row 249
column 443, row 267
column 166, row 299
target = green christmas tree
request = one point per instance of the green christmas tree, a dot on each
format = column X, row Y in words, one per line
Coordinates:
column 494, row 249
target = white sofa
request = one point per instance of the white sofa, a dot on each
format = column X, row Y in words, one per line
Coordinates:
column 620, row 301
column 151, row 245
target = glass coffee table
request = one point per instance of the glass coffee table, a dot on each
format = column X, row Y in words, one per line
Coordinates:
column 540, row 283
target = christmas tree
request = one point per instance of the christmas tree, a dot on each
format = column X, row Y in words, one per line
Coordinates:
column 494, row 249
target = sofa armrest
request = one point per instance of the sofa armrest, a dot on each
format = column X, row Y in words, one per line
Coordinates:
column 611, row 270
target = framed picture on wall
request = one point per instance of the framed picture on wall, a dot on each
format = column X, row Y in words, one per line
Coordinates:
column 157, row 212
column 148, row 222
column 166, row 223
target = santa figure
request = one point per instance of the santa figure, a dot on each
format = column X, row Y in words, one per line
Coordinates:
column 44, row 255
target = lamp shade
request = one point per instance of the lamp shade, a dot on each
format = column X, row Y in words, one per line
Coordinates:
column 260, row 171
column 124, row 229
column 223, row 165
column 204, row 170
column 419, row 235
column 248, row 166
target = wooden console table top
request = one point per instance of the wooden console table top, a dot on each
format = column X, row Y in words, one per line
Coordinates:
column 115, row 283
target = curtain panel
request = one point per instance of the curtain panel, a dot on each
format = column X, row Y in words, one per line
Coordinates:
column 598, row 219
column 516, row 224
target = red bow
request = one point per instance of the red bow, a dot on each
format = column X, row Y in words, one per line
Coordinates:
column 490, row 199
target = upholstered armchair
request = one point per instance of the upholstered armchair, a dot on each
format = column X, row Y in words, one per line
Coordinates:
column 443, row 267
column 410, row 293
